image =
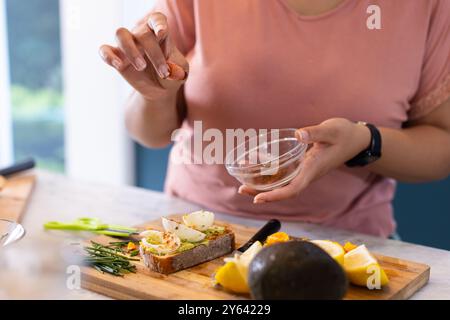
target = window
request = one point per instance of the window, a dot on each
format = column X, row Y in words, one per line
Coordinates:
column 33, row 33
column 59, row 103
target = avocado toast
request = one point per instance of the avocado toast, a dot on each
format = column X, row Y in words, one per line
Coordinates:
column 185, row 244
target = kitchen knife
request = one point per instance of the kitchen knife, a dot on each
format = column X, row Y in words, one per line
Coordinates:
column 269, row 228
column 18, row 167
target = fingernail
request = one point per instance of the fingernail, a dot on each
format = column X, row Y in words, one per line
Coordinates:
column 304, row 135
column 164, row 71
column 102, row 54
column 258, row 201
column 159, row 30
column 117, row 64
column 140, row 63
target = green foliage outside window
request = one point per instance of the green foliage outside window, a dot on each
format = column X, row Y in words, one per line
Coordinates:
column 36, row 83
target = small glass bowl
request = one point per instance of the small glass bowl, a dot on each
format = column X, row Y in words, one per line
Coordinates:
column 267, row 161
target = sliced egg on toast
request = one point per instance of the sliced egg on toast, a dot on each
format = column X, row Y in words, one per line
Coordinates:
column 199, row 220
column 185, row 233
column 161, row 242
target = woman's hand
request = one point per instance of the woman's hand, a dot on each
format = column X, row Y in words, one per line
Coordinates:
column 147, row 58
column 334, row 141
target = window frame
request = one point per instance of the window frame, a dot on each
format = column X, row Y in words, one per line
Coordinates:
column 6, row 138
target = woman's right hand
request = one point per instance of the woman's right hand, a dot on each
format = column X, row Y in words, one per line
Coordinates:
column 147, row 58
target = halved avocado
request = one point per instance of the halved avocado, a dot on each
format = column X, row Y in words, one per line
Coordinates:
column 296, row 270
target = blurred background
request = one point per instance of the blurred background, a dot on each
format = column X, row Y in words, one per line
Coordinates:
column 60, row 104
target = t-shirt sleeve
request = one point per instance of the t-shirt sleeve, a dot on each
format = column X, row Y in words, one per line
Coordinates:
column 434, row 85
column 181, row 20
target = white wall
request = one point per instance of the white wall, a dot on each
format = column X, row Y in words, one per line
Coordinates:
column 97, row 146
column 5, row 102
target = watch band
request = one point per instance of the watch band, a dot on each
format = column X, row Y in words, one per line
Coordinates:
column 372, row 153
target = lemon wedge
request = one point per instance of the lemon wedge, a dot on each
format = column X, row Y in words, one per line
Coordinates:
column 233, row 275
column 334, row 249
column 229, row 277
column 363, row 269
column 243, row 261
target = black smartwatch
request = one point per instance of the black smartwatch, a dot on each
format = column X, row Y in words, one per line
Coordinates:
column 372, row 153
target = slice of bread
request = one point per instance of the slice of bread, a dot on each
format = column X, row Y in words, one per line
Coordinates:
column 217, row 246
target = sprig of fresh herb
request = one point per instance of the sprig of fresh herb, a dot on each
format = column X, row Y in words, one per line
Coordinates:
column 121, row 245
column 109, row 259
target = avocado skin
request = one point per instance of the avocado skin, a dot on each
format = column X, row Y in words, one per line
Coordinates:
column 296, row 270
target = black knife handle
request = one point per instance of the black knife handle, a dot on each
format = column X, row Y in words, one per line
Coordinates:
column 18, row 167
column 269, row 228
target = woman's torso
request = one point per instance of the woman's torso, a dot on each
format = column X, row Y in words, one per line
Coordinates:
column 258, row 64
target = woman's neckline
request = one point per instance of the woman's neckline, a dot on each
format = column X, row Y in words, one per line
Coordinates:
column 325, row 14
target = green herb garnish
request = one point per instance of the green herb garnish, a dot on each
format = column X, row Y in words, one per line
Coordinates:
column 109, row 259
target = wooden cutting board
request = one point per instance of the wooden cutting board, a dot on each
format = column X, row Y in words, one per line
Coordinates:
column 406, row 277
column 14, row 196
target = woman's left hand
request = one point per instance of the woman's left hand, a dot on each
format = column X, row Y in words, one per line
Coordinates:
column 334, row 142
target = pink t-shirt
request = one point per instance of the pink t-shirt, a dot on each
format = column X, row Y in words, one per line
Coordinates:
column 259, row 64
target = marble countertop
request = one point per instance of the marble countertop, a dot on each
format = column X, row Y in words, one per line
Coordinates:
column 36, row 266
